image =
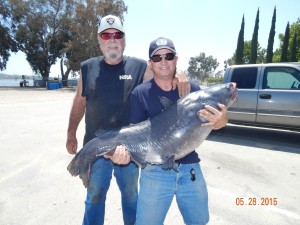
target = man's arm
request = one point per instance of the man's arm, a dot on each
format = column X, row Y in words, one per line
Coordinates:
column 181, row 81
column 76, row 115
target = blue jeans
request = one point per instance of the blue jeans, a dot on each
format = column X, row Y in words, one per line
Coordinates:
column 101, row 174
column 157, row 188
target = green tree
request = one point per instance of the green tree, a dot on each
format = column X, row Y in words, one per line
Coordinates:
column 202, row 67
column 247, row 52
column 294, row 49
column 261, row 55
column 277, row 52
column 293, row 30
column 294, row 41
column 240, row 44
column 284, row 51
column 254, row 42
column 7, row 45
column 39, row 28
column 271, row 38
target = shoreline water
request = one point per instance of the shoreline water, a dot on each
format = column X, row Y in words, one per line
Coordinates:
column 14, row 82
column 29, row 82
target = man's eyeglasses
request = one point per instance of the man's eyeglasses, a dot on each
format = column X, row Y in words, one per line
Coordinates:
column 167, row 56
column 116, row 35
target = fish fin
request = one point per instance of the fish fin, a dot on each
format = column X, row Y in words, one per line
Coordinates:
column 85, row 177
column 143, row 165
column 166, row 103
column 137, row 161
column 169, row 163
column 109, row 152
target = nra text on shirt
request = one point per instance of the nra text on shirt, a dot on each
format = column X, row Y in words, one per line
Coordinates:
column 125, row 77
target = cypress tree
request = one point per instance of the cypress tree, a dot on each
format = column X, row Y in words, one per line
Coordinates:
column 240, row 45
column 271, row 38
column 294, row 49
column 284, row 50
column 254, row 42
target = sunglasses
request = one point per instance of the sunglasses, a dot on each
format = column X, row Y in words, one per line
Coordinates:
column 116, row 35
column 167, row 56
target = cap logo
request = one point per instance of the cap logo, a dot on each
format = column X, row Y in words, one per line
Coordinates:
column 160, row 42
column 110, row 20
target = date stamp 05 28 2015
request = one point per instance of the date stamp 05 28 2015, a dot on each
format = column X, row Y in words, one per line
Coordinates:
column 254, row 201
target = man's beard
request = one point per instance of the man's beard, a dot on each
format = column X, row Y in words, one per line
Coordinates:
column 114, row 55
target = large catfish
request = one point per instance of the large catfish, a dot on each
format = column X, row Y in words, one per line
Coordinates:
column 169, row 136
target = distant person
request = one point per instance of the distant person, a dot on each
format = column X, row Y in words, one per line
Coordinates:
column 102, row 95
column 159, row 186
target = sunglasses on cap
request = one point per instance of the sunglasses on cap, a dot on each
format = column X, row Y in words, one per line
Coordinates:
column 167, row 56
column 116, row 35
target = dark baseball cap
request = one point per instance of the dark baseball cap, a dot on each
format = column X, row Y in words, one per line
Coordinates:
column 161, row 43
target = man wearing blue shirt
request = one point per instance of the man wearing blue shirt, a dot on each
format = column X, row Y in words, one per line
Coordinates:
column 158, row 186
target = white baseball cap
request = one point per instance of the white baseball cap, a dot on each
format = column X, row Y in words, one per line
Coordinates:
column 110, row 22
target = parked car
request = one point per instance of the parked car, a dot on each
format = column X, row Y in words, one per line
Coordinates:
column 269, row 94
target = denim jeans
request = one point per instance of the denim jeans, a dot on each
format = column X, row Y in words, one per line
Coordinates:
column 157, row 188
column 101, row 174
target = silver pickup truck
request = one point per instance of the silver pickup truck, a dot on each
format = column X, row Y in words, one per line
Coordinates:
column 269, row 95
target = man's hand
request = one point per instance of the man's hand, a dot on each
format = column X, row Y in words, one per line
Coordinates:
column 120, row 156
column 180, row 80
column 76, row 115
column 72, row 144
column 216, row 118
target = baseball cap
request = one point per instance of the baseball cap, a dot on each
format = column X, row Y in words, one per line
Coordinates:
column 161, row 43
column 110, row 22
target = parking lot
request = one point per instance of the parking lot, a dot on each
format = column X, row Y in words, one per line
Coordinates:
column 252, row 174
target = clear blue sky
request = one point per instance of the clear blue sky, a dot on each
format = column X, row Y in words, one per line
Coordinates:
column 209, row 26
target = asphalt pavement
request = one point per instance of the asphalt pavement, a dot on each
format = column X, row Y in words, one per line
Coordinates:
column 252, row 174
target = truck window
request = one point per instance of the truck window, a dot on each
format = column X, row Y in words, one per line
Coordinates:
column 244, row 77
column 281, row 78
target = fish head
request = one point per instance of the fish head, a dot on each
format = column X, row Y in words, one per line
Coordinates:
column 222, row 93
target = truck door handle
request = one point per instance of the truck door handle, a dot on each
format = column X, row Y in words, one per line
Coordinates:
column 265, row 96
